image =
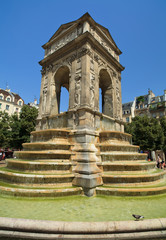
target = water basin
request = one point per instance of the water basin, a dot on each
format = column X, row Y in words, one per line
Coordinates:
column 81, row 208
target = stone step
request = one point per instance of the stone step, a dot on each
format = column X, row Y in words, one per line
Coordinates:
column 16, row 177
column 50, row 134
column 45, row 154
column 25, row 192
column 109, row 147
column 46, row 146
column 39, row 165
column 130, row 191
column 122, row 156
column 128, row 166
column 128, row 178
column 110, row 136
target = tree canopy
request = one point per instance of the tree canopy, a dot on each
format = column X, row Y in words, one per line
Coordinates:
column 15, row 130
column 148, row 133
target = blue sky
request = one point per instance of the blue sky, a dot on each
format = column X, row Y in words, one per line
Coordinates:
column 137, row 26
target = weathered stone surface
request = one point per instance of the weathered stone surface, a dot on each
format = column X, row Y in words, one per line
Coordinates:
column 122, row 230
column 86, row 147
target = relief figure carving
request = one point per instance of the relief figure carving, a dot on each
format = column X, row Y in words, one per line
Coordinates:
column 92, row 90
column 77, row 90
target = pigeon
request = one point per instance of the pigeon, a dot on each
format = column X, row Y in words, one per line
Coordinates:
column 137, row 217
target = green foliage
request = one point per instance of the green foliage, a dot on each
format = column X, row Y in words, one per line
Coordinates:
column 5, row 133
column 163, row 125
column 28, row 117
column 16, row 130
column 147, row 133
column 140, row 99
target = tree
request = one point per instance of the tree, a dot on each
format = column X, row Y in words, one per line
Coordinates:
column 15, row 130
column 15, row 125
column 5, row 133
column 146, row 132
column 163, row 125
column 28, row 117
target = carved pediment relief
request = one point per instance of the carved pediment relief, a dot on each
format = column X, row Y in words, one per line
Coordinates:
column 59, row 42
column 68, row 32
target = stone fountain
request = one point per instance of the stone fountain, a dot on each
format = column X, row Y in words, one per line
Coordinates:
column 81, row 151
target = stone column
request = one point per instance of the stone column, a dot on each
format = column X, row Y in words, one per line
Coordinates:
column 87, row 173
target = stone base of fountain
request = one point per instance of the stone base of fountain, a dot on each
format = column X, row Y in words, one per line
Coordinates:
column 54, row 164
column 121, row 230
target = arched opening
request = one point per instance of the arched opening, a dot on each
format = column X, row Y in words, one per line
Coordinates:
column 105, row 93
column 64, row 100
column 100, row 100
column 62, row 89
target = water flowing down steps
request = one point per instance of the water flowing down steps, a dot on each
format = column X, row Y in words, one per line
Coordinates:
column 126, row 172
column 46, row 167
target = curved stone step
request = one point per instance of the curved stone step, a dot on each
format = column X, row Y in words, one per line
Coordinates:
column 117, row 147
column 130, row 191
column 49, row 154
column 128, row 166
column 109, row 178
column 38, row 165
column 122, row 156
column 35, row 178
column 50, row 134
column 22, row 192
column 108, row 136
column 46, row 146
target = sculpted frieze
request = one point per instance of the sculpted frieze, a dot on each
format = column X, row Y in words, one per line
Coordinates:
column 103, row 43
column 63, row 41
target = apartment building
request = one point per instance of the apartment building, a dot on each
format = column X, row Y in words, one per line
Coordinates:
column 10, row 102
column 149, row 104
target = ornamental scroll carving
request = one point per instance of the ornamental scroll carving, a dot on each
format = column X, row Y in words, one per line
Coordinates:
column 77, row 93
column 46, row 70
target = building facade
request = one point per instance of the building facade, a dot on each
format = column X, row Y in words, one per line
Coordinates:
column 10, row 102
column 149, row 104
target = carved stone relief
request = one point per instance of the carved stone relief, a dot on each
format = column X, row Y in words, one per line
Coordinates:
column 76, row 119
column 103, row 43
column 63, row 41
column 99, row 60
column 91, row 64
column 92, row 90
column 46, row 70
column 77, row 93
column 78, row 66
column 118, row 102
column 44, row 99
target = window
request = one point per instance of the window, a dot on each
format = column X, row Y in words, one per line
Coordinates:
column 127, row 119
column 8, row 99
column 7, row 107
column 1, row 97
column 0, row 105
column 16, row 109
column 20, row 103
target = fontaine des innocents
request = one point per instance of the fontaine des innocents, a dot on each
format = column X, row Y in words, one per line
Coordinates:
column 81, row 151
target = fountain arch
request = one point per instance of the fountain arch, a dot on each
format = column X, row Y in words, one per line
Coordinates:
column 61, row 79
column 106, row 86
